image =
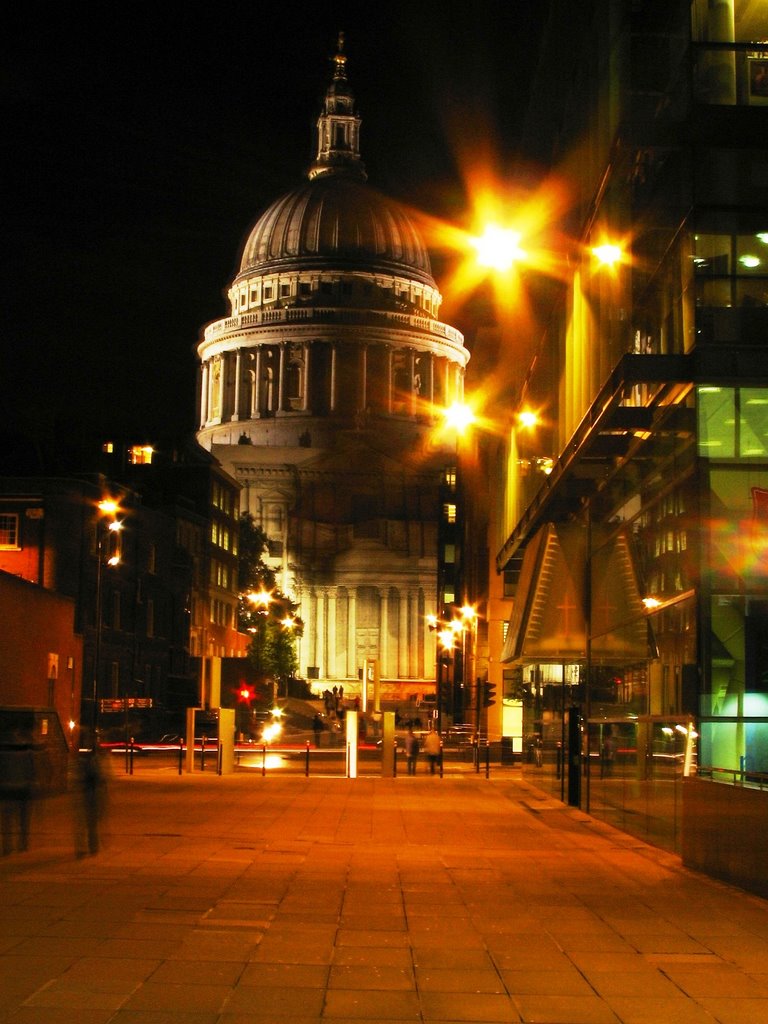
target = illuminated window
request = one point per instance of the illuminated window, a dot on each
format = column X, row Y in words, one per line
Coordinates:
column 449, row 554
column 108, row 447
column 449, row 512
column 140, row 454
column 733, row 422
column 9, row 531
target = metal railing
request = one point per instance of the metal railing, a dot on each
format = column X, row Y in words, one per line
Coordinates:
column 734, row 776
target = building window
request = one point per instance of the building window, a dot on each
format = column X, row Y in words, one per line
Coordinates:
column 449, row 512
column 140, row 454
column 285, row 290
column 733, row 422
column 267, row 292
column 9, row 531
column 305, row 288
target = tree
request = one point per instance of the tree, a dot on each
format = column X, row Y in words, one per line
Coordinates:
column 264, row 611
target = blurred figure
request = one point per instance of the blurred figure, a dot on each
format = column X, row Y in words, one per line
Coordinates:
column 411, row 750
column 89, row 791
column 317, row 728
column 17, row 782
column 432, row 748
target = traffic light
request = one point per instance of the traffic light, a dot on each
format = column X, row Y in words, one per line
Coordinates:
column 489, row 694
column 446, row 695
column 245, row 694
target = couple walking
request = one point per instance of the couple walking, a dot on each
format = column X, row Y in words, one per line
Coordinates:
column 432, row 748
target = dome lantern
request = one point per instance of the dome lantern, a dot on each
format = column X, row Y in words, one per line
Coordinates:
column 338, row 127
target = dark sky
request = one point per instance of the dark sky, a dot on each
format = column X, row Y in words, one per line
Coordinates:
column 143, row 140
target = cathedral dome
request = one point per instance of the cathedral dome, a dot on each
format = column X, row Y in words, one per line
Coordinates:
column 336, row 219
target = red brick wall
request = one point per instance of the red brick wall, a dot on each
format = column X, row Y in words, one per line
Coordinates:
column 34, row 624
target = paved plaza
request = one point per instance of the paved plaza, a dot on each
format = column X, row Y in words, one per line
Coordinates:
column 242, row 900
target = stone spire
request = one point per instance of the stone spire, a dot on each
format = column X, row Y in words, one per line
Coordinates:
column 338, row 127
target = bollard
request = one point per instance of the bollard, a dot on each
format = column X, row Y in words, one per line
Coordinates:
column 181, row 755
column 306, row 771
column 487, row 760
column 202, row 754
column 477, row 756
column 441, row 759
column 264, row 759
column 394, row 763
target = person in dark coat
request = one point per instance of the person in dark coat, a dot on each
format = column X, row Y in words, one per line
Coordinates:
column 17, row 780
column 411, row 751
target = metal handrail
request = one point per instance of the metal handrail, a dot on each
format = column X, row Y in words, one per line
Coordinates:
column 734, row 776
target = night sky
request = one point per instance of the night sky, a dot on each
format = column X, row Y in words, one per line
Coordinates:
column 142, row 142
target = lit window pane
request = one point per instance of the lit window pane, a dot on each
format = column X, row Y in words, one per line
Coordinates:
column 717, row 422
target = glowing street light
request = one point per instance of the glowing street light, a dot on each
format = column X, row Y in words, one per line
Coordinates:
column 608, row 254
column 498, row 248
column 459, row 417
column 528, row 419
column 260, row 599
column 106, row 524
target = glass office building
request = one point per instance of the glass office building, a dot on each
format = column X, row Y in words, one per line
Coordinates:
column 636, row 517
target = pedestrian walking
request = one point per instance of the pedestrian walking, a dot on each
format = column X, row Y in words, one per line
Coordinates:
column 17, row 780
column 317, row 728
column 411, row 751
column 90, row 800
column 433, row 747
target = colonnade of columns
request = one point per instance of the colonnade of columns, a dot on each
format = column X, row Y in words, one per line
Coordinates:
column 335, row 643
column 251, row 382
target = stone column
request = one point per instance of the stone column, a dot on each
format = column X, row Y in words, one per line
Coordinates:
column 322, row 637
column 384, row 631
column 412, row 382
column 402, row 638
column 204, row 395
column 390, row 382
column 331, row 633
column 307, row 375
column 352, row 633
column 363, row 378
column 238, row 370
column 281, row 378
column 333, row 377
column 255, row 398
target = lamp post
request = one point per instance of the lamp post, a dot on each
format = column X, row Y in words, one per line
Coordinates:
column 108, row 527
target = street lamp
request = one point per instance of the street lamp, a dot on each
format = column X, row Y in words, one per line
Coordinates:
column 108, row 527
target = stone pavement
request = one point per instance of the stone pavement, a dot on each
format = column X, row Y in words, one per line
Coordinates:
column 246, row 900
